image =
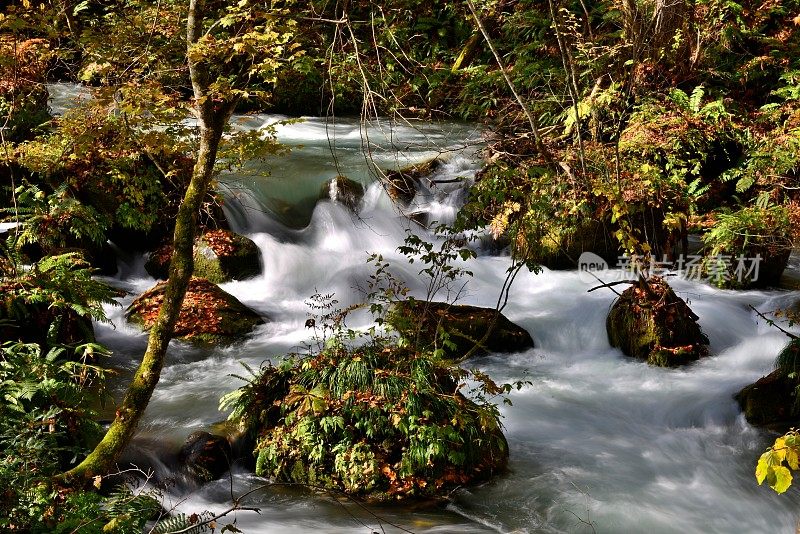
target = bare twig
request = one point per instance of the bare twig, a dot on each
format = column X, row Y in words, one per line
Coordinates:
column 772, row 322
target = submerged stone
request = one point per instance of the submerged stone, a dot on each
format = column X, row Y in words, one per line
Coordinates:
column 651, row 323
column 465, row 326
column 205, row 457
column 208, row 315
column 219, row 256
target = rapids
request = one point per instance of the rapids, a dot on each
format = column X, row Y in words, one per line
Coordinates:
column 599, row 442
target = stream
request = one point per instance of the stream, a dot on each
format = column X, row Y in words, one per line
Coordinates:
column 598, row 443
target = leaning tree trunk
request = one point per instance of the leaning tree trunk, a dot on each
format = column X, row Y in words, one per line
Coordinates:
column 212, row 116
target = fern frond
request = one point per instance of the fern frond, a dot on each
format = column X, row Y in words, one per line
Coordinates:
column 680, row 99
column 697, row 98
column 181, row 522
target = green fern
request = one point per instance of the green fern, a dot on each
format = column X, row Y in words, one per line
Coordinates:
column 680, row 99
column 184, row 524
column 694, row 101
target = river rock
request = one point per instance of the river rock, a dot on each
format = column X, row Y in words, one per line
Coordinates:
column 343, row 190
column 464, row 324
column 772, row 400
column 402, row 184
column 651, row 323
column 205, row 457
column 774, row 259
column 209, row 315
column 340, row 420
column 219, row 256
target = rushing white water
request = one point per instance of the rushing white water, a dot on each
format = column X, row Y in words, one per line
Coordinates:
column 599, row 442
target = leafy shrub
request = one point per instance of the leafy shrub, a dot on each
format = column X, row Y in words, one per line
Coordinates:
column 754, row 231
column 46, row 424
column 53, row 301
column 376, row 419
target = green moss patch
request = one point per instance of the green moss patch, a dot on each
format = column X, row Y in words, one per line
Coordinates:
column 651, row 323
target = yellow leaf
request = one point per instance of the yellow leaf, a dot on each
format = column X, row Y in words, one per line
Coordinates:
column 96, row 481
column 779, row 451
column 763, row 468
column 796, row 20
column 792, row 458
column 783, row 479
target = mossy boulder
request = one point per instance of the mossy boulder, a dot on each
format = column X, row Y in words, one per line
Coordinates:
column 464, row 326
column 402, row 184
column 650, row 322
column 378, row 421
column 772, row 400
column 561, row 248
column 343, row 190
column 209, row 315
column 219, row 256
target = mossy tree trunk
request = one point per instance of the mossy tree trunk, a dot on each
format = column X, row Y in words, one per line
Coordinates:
column 212, row 115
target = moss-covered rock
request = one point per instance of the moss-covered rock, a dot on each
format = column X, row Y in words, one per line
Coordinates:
column 748, row 248
column 561, row 248
column 464, row 326
column 378, row 421
column 772, row 400
column 219, row 256
column 208, row 316
column 651, row 323
column 344, row 190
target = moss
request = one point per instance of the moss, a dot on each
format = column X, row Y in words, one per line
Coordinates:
column 653, row 324
column 207, row 265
